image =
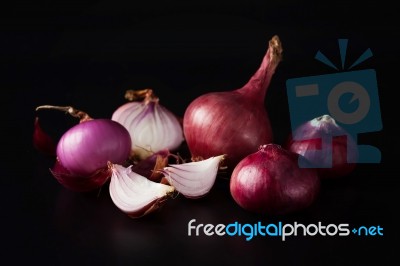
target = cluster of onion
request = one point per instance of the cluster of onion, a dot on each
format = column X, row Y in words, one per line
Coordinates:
column 133, row 150
column 281, row 180
column 99, row 150
column 266, row 177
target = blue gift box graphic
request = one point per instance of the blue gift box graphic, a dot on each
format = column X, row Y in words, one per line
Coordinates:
column 351, row 98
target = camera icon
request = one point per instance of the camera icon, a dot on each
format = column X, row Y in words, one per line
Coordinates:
column 350, row 97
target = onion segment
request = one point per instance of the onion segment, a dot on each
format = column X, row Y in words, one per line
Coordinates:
column 134, row 194
column 194, row 179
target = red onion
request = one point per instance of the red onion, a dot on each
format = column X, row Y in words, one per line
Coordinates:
column 87, row 147
column 326, row 145
column 152, row 126
column 270, row 181
column 84, row 151
column 42, row 141
column 235, row 122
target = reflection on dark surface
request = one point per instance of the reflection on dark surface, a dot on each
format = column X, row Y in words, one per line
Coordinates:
column 88, row 227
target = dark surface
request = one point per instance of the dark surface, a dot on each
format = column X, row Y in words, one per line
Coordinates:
column 87, row 54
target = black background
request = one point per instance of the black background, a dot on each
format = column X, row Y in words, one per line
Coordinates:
column 86, row 54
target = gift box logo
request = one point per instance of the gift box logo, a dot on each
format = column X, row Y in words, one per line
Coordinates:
column 350, row 97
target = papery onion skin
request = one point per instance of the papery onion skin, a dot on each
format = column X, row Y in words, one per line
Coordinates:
column 326, row 145
column 235, row 122
column 42, row 141
column 89, row 146
column 270, row 181
column 150, row 167
column 80, row 183
column 152, row 127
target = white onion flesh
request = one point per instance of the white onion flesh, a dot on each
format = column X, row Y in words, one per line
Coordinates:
column 152, row 127
column 134, row 194
column 194, row 179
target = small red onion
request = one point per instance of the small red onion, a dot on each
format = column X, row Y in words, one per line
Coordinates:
column 235, row 122
column 84, row 151
column 87, row 147
column 151, row 126
column 326, row 145
column 42, row 141
column 270, row 181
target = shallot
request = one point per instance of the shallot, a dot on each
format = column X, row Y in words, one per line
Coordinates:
column 234, row 122
column 271, row 182
column 328, row 146
column 84, row 150
column 42, row 141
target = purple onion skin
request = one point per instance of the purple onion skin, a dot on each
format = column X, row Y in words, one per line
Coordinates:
column 339, row 156
column 42, row 141
column 226, row 123
column 148, row 167
column 90, row 145
column 270, row 181
column 80, row 183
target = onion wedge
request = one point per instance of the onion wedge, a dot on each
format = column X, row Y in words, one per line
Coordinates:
column 193, row 179
column 134, row 194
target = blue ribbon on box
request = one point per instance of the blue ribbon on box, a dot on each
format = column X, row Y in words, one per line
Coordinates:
column 350, row 97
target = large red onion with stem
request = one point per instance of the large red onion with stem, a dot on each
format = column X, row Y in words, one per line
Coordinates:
column 328, row 146
column 85, row 150
column 270, row 181
column 234, row 122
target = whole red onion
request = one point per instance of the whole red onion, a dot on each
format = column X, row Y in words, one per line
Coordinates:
column 87, row 147
column 270, row 181
column 326, row 145
column 234, row 123
column 85, row 150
